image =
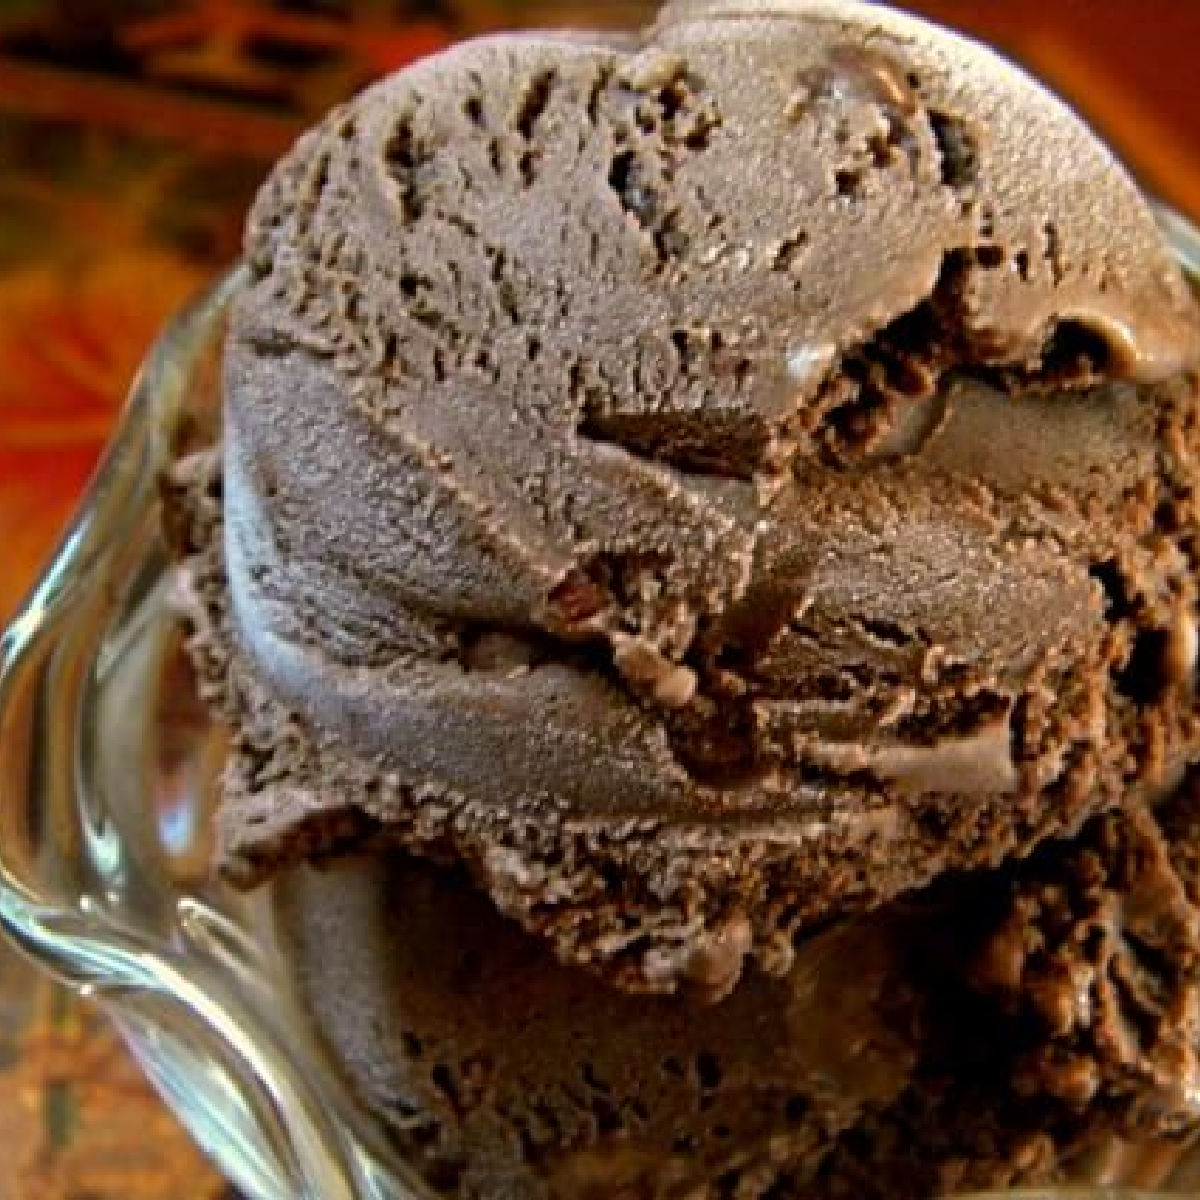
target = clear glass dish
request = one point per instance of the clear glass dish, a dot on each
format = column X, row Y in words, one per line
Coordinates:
column 108, row 778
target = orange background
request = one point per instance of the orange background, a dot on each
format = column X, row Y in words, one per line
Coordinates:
column 130, row 142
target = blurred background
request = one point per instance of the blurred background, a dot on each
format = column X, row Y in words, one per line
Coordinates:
column 132, row 135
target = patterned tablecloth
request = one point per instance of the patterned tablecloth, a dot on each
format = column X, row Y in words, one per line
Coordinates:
column 132, row 135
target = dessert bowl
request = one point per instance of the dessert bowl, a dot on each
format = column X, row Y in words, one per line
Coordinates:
column 109, row 777
column 108, row 773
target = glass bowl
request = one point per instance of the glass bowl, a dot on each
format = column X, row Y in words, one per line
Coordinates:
column 109, row 773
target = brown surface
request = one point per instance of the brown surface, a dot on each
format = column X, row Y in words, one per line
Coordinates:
column 119, row 194
column 575, row 266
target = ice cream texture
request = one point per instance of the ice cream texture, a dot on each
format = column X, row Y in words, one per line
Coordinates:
column 1008, row 1029
column 704, row 484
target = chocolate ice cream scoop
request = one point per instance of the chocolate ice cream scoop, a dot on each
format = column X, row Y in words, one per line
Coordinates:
column 1002, row 1029
column 706, row 484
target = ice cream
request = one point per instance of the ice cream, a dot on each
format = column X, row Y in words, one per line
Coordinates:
column 711, row 508
column 717, row 494
column 1002, row 1030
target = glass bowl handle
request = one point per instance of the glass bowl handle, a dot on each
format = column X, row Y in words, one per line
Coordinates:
column 44, row 657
